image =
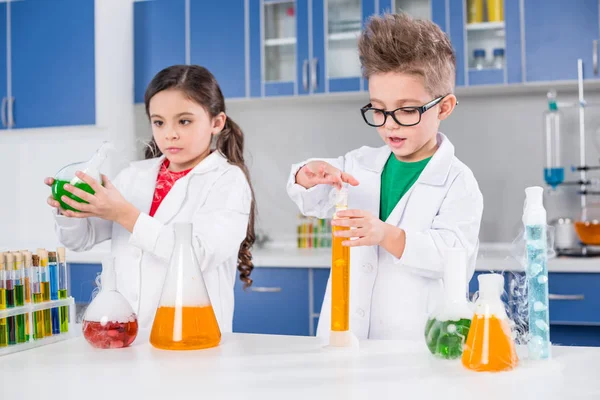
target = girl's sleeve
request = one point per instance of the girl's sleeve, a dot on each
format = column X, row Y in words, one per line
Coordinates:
column 219, row 225
column 81, row 234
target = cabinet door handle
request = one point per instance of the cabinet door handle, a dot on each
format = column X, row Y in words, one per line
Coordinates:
column 11, row 112
column 4, row 103
column 263, row 289
column 305, row 75
column 566, row 297
column 595, row 56
column 313, row 73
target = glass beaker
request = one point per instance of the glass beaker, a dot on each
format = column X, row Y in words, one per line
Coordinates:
column 67, row 176
column 588, row 225
column 185, row 319
column 447, row 328
column 490, row 346
column 109, row 321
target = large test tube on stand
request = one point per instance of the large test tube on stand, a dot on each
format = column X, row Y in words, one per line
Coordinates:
column 341, row 335
column 554, row 172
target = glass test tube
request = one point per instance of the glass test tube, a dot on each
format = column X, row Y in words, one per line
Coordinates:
column 36, row 289
column 19, row 284
column 53, row 267
column 63, row 289
column 3, row 326
column 11, row 322
column 45, row 285
column 340, row 273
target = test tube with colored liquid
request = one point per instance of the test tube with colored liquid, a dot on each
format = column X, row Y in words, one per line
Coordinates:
column 11, row 322
column 19, row 284
column 3, row 326
column 45, row 284
column 63, row 289
column 36, row 289
column 27, row 264
column 53, row 267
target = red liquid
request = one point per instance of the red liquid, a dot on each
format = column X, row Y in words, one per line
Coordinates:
column 112, row 335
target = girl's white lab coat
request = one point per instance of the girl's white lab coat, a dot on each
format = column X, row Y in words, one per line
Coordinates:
column 391, row 297
column 214, row 196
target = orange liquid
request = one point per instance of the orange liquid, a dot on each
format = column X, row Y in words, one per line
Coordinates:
column 189, row 328
column 489, row 346
column 588, row 232
column 340, row 283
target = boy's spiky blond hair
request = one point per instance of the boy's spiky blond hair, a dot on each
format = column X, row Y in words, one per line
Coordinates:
column 399, row 43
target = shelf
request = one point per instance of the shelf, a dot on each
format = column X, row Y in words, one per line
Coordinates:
column 486, row 26
column 280, row 42
column 353, row 35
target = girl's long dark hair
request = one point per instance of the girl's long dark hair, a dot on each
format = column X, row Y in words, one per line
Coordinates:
column 201, row 86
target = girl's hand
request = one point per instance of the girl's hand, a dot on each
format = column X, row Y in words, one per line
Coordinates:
column 369, row 230
column 319, row 172
column 53, row 203
column 107, row 203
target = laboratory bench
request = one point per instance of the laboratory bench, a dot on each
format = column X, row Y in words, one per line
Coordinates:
column 289, row 285
column 275, row 366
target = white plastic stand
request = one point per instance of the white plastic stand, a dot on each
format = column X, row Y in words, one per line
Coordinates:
column 342, row 340
column 30, row 309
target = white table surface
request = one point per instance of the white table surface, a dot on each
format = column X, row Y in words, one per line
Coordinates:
column 491, row 257
column 286, row 367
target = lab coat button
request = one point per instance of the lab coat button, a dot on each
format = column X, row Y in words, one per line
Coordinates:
column 368, row 268
column 360, row 312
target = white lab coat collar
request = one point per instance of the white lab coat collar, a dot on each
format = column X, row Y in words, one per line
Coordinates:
column 212, row 161
column 436, row 171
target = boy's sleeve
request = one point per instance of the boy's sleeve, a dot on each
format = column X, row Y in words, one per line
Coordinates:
column 313, row 202
column 456, row 225
column 219, row 225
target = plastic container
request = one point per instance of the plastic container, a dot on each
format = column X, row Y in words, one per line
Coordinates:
column 474, row 11
column 479, row 59
column 498, row 58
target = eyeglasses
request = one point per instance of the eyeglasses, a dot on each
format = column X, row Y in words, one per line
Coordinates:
column 404, row 116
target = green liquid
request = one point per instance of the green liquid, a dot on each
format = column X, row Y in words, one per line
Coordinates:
column 21, row 337
column 446, row 339
column 47, row 318
column 63, row 312
column 58, row 191
column 38, row 319
column 19, row 296
column 3, row 333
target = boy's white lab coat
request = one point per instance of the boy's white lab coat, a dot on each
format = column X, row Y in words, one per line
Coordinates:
column 214, row 196
column 391, row 297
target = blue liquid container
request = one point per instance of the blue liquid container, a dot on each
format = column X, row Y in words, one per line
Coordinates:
column 554, row 176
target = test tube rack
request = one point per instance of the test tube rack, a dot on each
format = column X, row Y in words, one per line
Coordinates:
column 28, row 310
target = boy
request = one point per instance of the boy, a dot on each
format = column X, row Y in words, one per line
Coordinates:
column 408, row 200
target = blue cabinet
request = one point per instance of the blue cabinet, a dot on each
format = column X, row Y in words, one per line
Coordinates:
column 319, row 284
column 556, row 35
column 3, row 72
column 159, row 40
column 82, row 281
column 52, row 63
column 217, row 42
column 276, row 303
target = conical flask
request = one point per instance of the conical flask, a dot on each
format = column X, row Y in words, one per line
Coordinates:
column 447, row 328
column 109, row 321
column 490, row 346
column 185, row 319
column 67, row 176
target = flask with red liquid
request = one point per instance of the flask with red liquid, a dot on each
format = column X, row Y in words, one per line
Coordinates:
column 109, row 321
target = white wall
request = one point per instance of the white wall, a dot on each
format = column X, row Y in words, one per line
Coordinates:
column 27, row 156
column 498, row 136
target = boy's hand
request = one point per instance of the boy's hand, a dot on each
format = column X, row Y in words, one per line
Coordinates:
column 369, row 231
column 319, row 172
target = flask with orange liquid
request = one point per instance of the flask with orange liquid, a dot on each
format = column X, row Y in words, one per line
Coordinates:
column 185, row 319
column 490, row 346
column 340, row 335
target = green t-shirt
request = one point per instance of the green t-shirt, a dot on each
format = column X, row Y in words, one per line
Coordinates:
column 396, row 179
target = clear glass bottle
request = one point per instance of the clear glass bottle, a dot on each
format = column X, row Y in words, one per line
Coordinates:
column 479, row 59
column 490, row 346
column 447, row 328
column 185, row 319
column 498, row 58
column 109, row 321
column 67, row 176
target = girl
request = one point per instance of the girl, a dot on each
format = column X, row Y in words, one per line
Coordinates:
column 199, row 176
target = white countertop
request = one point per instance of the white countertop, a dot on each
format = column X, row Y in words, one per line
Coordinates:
column 286, row 367
column 492, row 257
